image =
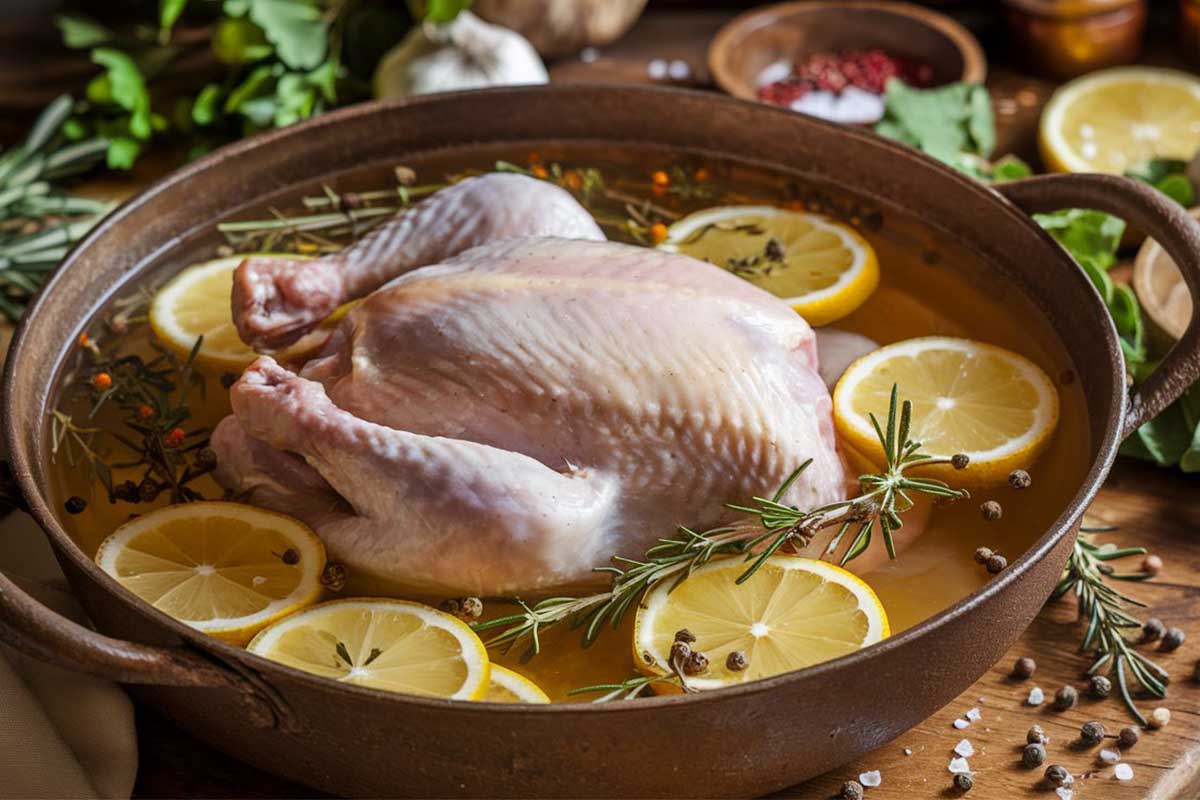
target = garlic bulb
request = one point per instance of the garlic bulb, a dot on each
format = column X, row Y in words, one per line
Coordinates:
column 466, row 53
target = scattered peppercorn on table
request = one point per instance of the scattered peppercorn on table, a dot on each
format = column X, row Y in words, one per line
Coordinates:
column 1018, row 730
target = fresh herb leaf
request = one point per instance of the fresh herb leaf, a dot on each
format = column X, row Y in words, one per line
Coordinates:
column 237, row 41
column 443, row 11
column 297, row 28
column 948, row 122
column 169, row 12
column 80, row 32
column 1169, row 176
column 126, row 88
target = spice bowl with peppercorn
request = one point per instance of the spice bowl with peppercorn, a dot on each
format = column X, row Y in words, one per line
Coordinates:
column 833, row 60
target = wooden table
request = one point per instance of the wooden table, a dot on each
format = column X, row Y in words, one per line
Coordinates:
column 1155, row 508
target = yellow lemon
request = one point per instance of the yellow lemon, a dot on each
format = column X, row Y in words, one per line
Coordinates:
column 224, row 568
column 1117, row 119
column 792, row 613
column 512, row 687
column 822, row 268
column 997, row 407
column 382, row 644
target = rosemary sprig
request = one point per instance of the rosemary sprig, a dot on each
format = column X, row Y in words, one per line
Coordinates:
column 39, row 222
column 1108, row 619
column 770, row 526
column 627, row 689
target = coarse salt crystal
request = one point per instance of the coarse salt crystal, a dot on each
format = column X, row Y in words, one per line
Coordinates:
column 588, row 54
column 961, row 723
column 679, row 70
column 1064, row 793
column 1110, row 756
column 1123, row 772
column 908, row 751
column 657, row 69
column 1036, row 696
column 974, row 715
column 959, row 765
column 870, row 779
column 964, row 749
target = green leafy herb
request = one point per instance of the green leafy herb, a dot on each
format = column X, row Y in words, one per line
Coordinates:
column 442, row 11
column 1169, row 176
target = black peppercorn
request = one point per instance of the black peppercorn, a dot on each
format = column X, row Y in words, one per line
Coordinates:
column 982, row 554
column 472, row 608
column 991, row 510
column 684, row 635
column 1092, row 733
column 1099, row 686
column 963, row 782
column 1036, row 735
column 1128, row 737
column 1033, row 755
column 960, row 460
column 206, row 458
column 291, row 557
column 996, row 564
column 127, row 491
column 75, row 504
column 695, row 664
column 1019, row 479
column 148, row 490
column 1153, row 630
column 1065, row 698
column 680, row 652
column 736, row 661
column 851, row 790
column 1057, row 775
column 1172, row 639
column 333, row 577
column 1023, row 668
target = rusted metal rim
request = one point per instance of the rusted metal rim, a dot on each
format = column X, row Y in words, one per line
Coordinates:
column 21, row 454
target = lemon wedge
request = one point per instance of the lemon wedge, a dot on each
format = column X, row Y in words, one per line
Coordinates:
column 224, row 568
column 792, row 613
column 996, row 406
column 512, row 687
column 823, row 269
column 392, row 645
column 1118, row 119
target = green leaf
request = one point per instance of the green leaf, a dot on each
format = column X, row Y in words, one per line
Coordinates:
column 324, row 79
column 204, row 109
column 1163, row 440
column 1010, row 168
column 297, row 28
column 1156, row 169
column 254, row 85
column 981, row 123
column 952, row 123
column 1178, row 188
column 295, row 98
column 1091, row 237
column 169, row 12
column 128, row 88
column 1127, row 317
column 122, row 152
column 442, row 11
column 80, row 32
column 239, row 41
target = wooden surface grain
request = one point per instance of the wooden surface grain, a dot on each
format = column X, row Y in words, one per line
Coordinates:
column 1154, row 508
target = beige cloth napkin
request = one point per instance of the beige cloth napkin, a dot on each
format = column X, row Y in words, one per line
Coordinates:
column 62, row 734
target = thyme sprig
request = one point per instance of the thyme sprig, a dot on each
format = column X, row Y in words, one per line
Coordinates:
column 770, row 525
column 1108, row 619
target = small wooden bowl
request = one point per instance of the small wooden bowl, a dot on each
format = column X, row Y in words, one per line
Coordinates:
column 1166, row 309
column 751, row 42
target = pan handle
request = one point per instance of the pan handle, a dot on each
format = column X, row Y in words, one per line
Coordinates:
column 40, row 633
column 1165, row 221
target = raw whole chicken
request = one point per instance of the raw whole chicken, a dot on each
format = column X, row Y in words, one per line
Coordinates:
column 517, row 400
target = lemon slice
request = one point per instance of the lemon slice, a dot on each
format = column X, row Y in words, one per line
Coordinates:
column 994, row 405
column 224, row 568
column 1118, row 119
column 512, row 687
column 823, row 269
column 392, row 645
column 792, row 613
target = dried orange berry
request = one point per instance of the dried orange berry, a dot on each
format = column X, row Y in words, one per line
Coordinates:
column 145, row 411
column 174, row 438
column 102, row 380
column 660, row 178
column 539, row 171
column 794, row 205
column 573, row 179
column 658, row 232
column 703, row 174
column 535, row 157
column 84, row 340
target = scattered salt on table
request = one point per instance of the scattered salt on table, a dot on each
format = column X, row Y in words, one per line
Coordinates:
column 964, row 749
column 1110, row 756
column 974, row 715
column 679, row 70
column 657, row 69
column 1064, row 793
column 588, row 54
column 1123, row 772
column 961, row 723
column 1036, row 696
column 959, row 765
column 870, row 779
column 908, row 751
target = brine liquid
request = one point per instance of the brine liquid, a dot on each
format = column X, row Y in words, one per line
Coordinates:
column 930, row 286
